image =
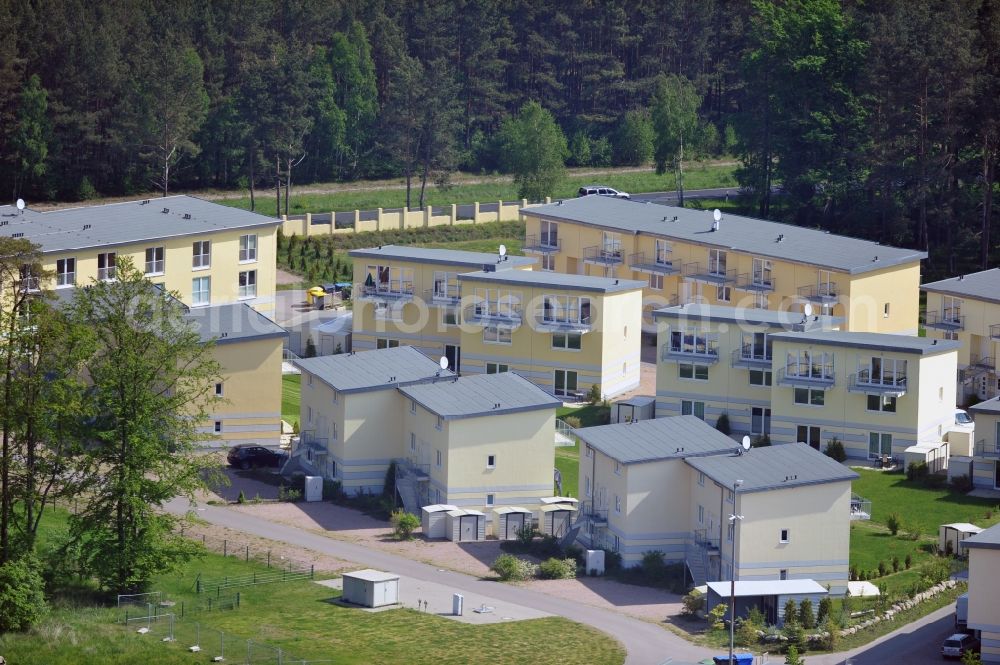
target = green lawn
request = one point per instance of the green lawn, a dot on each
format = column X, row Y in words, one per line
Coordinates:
column 298, row 618
column 568, row 458
column 368, row 196
column 916, row 504
column 291, row 392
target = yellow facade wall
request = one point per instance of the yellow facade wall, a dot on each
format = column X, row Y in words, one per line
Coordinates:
column 984, row 600
column 179, row 272
column 885, row 301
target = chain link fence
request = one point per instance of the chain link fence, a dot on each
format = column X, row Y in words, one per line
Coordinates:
column 279, row 568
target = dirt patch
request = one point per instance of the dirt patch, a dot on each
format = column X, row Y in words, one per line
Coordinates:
column 284, row 278
column 641, row 602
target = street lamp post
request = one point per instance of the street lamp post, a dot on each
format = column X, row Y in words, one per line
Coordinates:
column 733, row 519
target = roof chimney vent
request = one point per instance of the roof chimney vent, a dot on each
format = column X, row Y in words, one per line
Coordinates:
column 144, row 202
column 166, row 210
column 781, row 236
column 86, row 226
column 187, row 215
column 961, row 277
column 875, row 260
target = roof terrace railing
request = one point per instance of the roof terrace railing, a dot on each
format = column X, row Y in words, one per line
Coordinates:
column 806, row 375
column 947, row 319
column 642, row 262
column 889, row 383
column 824, row 294
column 755, row 283
column 751, row 357
column 603, row 255
column 708, row 273
column 542, row 244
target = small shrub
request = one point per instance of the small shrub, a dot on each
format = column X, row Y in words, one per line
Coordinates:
column 835, row 450
column 791, row 612
column 913, row 531
column 573, row 421
column 755, row 616
column 612, row 561
column 796, row 636
column 746, row 635
column 792, row 656
column 693, row 603
column 525, row 535
column 557, row 569
column 333, row 490
column 289, row 494
column 22, row 595
column 893, row 522
column 832, row 635
column 404, row 524
column 576, row 553
column 825, row 610
column 847, row 604
column 882, row 569
column 242, row 498
column 854, row 572
column 717, row 617
column 908, row 561
column 722, row 424
column 895, row 564
column 653, row 566
column 760, row 441
column 594, row 394
column 961, row 483
column 917, row 471
column 509, row 568
column 971, row 658
column 806, row 616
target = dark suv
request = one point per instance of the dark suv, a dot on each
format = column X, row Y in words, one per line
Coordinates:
column 247, row 455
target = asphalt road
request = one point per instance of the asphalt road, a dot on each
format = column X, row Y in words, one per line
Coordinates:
column 465, row 210
column 646, row 643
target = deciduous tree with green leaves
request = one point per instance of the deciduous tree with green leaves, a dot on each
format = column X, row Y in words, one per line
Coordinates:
column 533, row 148
column 152, row 381
column 675, row 123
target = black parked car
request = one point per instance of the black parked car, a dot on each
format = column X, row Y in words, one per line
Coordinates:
column 247, row 455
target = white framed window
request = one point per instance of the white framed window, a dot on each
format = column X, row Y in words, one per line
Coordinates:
column 548, row 262
column 155, row 263
column 590, row 452
column 336, row 396
column 218, row 389
column 248, row 248
column 618, row 504
column 762, row 272
column 693, row 408
column 723, row 293
column 437, row 458
column 309, row 414
column 333, row 431
column 701, row 479
column 497, row 368
column 701, row 514
column 885, row 311
column 810, row 397
column 656, row 281
column 586, row 483
column 783, row 537
column 760, row 420
column 661, row 254
column 65, row 272
column 201, row 290
column 550, row 233
column 107, row 263
column 413, row 406
column 565, row 382
column 760, row 377
column 805, row 363
column 569, row 341
column 449, row 317
column 783, row 574
column 439, row 425
column 881, row 403
column 618, row 468
column 413, row 442
column 730, row 533
column 760, row 300
column 696, row 372
column 309, row 380
column 491, row 461
column 879, row 444
column 201, row 254
column 218, row 427
column 566, row 309
column 810, row 434
column 384, row 343
column 729, row 496
column 490, row 499
column 248, row 284
column 496, row 335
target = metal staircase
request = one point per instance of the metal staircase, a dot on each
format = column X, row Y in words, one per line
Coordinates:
column 411, row 485
column 696, row 559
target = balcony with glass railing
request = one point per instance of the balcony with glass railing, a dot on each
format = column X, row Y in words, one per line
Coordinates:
column 755, row 283
column 603, row 255
column 822, row 294
column 446, row 295
column 544, row 243
column 699, row 350
column 984, row 448
column 884, row 383
column 706, row 272
column 651, row 263
column 551, row 321
column 806, row 375
column 947, row 319
column 391, row 291
column 499, row 314
column 752, row 357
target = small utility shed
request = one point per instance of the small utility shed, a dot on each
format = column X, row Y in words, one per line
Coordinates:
column 769, row 596
column 508, row 520
column 952, row 534
column 932, row 453
column 555, row 519
column 371, row 588
column 434, row 520
column 634, row 409
column 465, row 525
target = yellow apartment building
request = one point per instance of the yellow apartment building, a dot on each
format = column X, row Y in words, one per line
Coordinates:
column 671, row 484
column 967, row 309
column 713, row 359
column 984, row 458
column 248, row 348
column 411, row 296
column 984, row 590
column 878, row 394
column 209, row 254
column 484, row 441
column 685, row 255
column 350, row 414
column 564, row 333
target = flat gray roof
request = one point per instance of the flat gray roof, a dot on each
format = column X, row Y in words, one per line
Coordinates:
column 479, row 395
column 984, row 285
column 746, row 588
column 749, row 316
column 675, row 437
column 233, row 322
column 773, row 467
column 372, row 370
column 744, row 234
column 924, row 346
column 986, row 406
column 555, row 280
column 450, row 257
column 113, row 224
column 987, row 540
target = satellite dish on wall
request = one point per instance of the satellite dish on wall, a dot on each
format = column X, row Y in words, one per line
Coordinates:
column 20, row 205
column 443, row 362
column 746, row 443
column 717, row 215
column 503, row 250
column 808, row 309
